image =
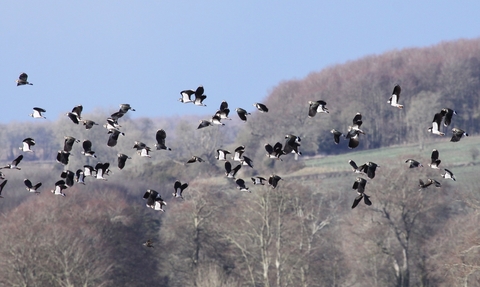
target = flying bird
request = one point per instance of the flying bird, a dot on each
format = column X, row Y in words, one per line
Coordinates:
column 223, row 111
column 448, row 175
column 32, row 188
column 89, row 124
column 68, row 143
column 124, row 108
column 23, row 80
column 393, row 101
column 437, row 120
column 274, row 151
column 273, row 180
column 179, row 187
column 355, row 167
column 369, row 168
column 69, row 177
column 359, row 185
column 258, row 180
column 231, row 172
column 154, row 200
column 27, row 145
column 113, row 137
column 101, row 170
column 428, row 183
column 435, row 162
column 413, row 163
column 238, row 155
column 241, row 185
column 292, row 144
column 63, row 157
column 194, row 159
column 122, row 158
column 336, row 135
column 2, row 185
column 15, row 162
column 222, row 154
column 59, row 187
column 261, row 107
column 457, row 134
column 87, row 149
column 448, row 116
column 242, row 114
column 37, row 113
column 160, row 136
column 204, row 124
column 80, row 176
column 148, row 243
column 316, row 107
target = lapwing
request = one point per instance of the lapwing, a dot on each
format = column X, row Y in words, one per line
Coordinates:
column 73, row 117
column 194, row 159
column 88, row 170
column 154, row 200
column 359, row 185
column 76, row 114
column 2, row 185
column 316, row 107
column 199, row 96
column 413, row 163
column 69, row 177
column 369, row 168
column 428, row 183
column 160, row 136
column 448, row 116
column 261, row 107
column 27, row 145
column 222, row 154
column 231, row 172
column 355, row 167
column 113, row 137
column 273, row 180
column 457, row 134
column 223, row 111
column 292, row 144
column 241, row 185
column 87, row 149
column 122, row 158
column 242, row 114
column 68, row 143
column 80, row 176
column 101, row 170
column 124, row 108
column 179, row 188
column 274, row 151
column 394, row 98
column 145, row 152
column 258, row 180
column 216, row 120
column 59, row 187
column 89, row 124
column 435, row 162
column 448, row 175
column 336, row 135
column 148, row 243
column 238, row 155
column 437, row 121
column 37, row 113
column 112, row 124
column 247, row 161
column 186, row 96
column 23, row 80
column 32, row 188
column 204, row 124
column 15, row 163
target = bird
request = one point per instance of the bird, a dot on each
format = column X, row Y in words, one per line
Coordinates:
column 179, row 188
column 247, row 161
column 59, row 187
column 437, row 120
column 63, row 157
column 435, row 162
column 355, row 167
column 138, row 145
column 154, row 200
column 68, row 143
column 160, row 136
column 353, row 138
column 30, row 187
column 23, row 80
column 369, row 168
column 148, row 243
column 27, row 145
column 2, row 185
column 231, row 172
column 122, row 158
column 199, row 96
column 291, row 144
column 273, row 180
column 222, row 154
column 80, row 176
column 216, row 120
column 357, row 122
column 69, row 177
column 113, row 137
column 359, row 185
column 88, row 170
column 316, row 107
column 258, row 180
column 194, row 159
column 101, row 170
column 238, row 154
column 37, row 113
column 448, row 175
column 457, row 134
column 413, row 163
column 112, row 124
column 89, row 124
column 73, row 117
column 2, row 175
column 223, row 111
column 15, row 162
column 261, row 107
column 336, row 135
column 241, row 185
column 242, row 114
column 87, row 149
column 124, row 108
column 428, row 183
column 186, row 96
column 393, row 101
column 204, row 124
column 448, row 116
column 145, row 152
column 77, row 112
column 274, row 151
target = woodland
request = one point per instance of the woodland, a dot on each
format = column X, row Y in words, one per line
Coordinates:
column 301, row 233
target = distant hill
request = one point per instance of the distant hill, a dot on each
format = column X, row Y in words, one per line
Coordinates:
column 432, row 78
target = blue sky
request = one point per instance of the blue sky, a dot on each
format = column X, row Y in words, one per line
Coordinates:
column 103, row 53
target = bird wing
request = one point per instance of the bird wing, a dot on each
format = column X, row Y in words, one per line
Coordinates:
column 28, row 183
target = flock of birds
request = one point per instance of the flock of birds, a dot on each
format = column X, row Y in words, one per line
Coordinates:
column 197, row 97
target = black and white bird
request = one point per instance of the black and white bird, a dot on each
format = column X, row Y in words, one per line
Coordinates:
column 216, row 120
column 242, row 114
column 369, row 169
column 2, row 185
column 37, row 113
column 89, row 124
column 354, row 166
column 160, row 137
column 154, row 200
column 204, row 123
column 448, row 116
column 76, row 114
column 273, row 180
column 394, row 98
column 32, row 188
column 238, row 154
column 112, row 124
column 69, row 177
column 59, row 187
column 274, row 151
column 101, row 170
column 241, row 185
column 124, row 108
column 186, row 96
column 27, row 145
column 231, row 172
column 316, row 107
column 194, row 159
column 15, row 163
column 222, row 154
column 261, row 107
column 258, row 180
column 292, row 144
column 68, row 143
column 113, row 137
column 336, row 135
column 413, row 163
column 359, row 185
column 122, row 158
column 199, row 96
column 437, row 121
column 457, row 134
column 23, row 80
column 448, row 175
column 73, row 117
column 88, row 170
column 87, row 149
column 80, row 176
column 428, row 183
column 148, row 243
column 179, row 188
column 145, row 152
column 247, row 161
column 354, row 131
column 435, row 162
column 223, row 111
